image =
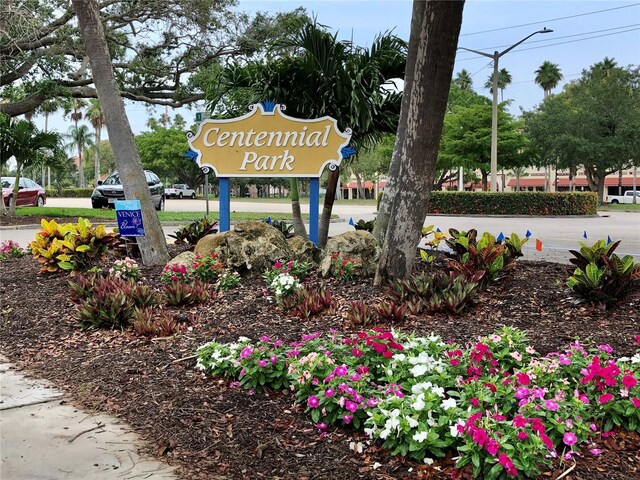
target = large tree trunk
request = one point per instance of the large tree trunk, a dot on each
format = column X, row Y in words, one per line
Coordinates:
column 96, row 157
column 298, row 224
column 153, row 246
column 485, row 180
column 436, row 26
column 359, row 186
column 330, row 197
column 595, row 180
column 16, row 189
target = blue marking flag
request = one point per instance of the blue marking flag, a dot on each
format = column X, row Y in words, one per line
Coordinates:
column 268, row 105
column 191, row 155
column 438, row 230
column 269, row 220
column 608, row 239
column 351, row 221
column 129, row 216
column 584, row 235
column 348, row 151
column 528, row 234
column 500, row 237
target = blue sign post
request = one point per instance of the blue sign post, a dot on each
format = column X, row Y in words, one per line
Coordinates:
column 129, row 216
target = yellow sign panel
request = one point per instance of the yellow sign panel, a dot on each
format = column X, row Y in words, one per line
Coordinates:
column 268, row 144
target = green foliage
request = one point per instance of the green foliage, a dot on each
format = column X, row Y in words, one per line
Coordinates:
column 343, row 268
column 208, row 269
column 592, row 123
column 108, row 302
column 284, row 227
column 452, row 295
column 180, row 293
column 193, row 232
column 363, row 225
column 358, row 314
column 312, row 300
column 601, row 276
column 11, row 249
column 513, row 203
column 228, row 280
column 71, row 192
column 71, row 247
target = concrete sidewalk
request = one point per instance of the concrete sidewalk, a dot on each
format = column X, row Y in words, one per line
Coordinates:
column 44, row 437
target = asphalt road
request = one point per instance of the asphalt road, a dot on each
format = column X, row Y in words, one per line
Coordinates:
column 558, row 234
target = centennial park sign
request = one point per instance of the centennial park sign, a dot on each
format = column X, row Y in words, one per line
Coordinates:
column 267, row 143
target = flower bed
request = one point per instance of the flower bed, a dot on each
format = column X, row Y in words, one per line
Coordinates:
column 504, row 409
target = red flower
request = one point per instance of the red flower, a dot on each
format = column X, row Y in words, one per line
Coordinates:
column 523, row 378
column 629, row 381
column 636, row 402
column 605, row 397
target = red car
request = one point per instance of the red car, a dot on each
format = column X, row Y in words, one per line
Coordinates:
column 29, row 193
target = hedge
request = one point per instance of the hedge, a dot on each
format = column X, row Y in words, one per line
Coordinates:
column 513, row 203
column 72, row 192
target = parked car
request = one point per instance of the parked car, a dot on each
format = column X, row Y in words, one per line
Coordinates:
column 626, row 198
column 29, row 192
column 107, row 192
column 180, row 190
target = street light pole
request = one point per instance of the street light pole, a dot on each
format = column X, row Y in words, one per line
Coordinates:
column 495, row 57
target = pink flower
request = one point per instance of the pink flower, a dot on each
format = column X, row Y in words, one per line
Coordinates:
column 356, row 352
column 362, row 369
column 492, row 446
column 371, row 402
column 479, row 436
column 523, row 378
column 474, row 401
column 329, row 392
column 321, row 426
column 629, row 381
column 313, row 401
column 569, row 438
column 246, row 352
column 262, row 363
column 351, row 406
column 546, row 440
column 508, row 465
column 606, row 348
column 595, row 451
column 516, row 355
column 347, row 419
column 522, row 435
column 551, row 405
column 340, row 371
column 636, row 402
column 521, row 392
column 605, row 397
column 273, row 359
column 264, row 338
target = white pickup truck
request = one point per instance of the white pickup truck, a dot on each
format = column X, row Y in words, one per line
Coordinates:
column 179, row 190
column 626, row 198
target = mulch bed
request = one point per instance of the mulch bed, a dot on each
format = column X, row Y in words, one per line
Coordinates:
column 210, row 430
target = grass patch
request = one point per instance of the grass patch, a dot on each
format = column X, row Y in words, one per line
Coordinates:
column 624, row 207
column 110, row 215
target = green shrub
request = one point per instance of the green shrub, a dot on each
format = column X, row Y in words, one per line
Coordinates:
column 71, row 246
column 601, row 277
column 72, row 192
column 513, row 203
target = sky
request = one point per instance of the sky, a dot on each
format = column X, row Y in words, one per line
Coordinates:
column 584, row 33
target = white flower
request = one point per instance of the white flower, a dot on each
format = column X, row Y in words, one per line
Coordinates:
column 453, row 430
column 438, row 390
column 413, row 423
column 418, row 370
column 419, row 403
column 420, row 437
column 384, row 434
column 449, row 403
column 399, row 357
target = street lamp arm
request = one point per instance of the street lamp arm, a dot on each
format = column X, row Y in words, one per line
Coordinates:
column 490, row 55
column 523, row 40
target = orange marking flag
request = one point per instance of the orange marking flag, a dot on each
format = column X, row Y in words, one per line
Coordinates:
column 538, row 244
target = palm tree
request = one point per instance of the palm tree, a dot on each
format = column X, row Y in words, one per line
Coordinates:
column 318, row 75
column 548, row 76
column 96, row 117
column 28, row 145
column 463, row 80
column 605, row 66
column 76, row 116
column 47, row 108
column 504, row 79
column 80, row 138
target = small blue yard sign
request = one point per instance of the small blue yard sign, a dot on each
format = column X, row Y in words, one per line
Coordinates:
column 129, row 216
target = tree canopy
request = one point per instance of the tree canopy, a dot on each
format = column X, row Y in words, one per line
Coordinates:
column 593, row 123
column 158, row 48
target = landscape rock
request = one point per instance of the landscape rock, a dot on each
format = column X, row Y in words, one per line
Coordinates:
column 359, row 245
column 185, row 258
column 304, row 250
column 250, row 247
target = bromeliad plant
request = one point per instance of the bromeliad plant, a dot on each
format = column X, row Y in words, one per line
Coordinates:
column 196, row 230
column 601, row 276
column 506, row 410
